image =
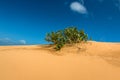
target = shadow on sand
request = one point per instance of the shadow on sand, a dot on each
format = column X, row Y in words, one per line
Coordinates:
column 67, row 49
column 113, row 58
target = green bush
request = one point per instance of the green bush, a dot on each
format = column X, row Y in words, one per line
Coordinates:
column 69, row 35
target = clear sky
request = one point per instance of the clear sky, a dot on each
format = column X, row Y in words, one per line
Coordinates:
column 28, row 21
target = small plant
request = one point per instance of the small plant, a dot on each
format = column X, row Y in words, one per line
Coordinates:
column 90, row 39
column 69, row 35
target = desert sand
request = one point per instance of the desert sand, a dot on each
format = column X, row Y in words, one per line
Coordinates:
column 88, row 61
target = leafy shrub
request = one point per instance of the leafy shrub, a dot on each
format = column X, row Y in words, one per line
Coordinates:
column 69, row 35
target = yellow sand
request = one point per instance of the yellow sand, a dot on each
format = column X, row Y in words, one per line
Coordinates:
column 89, row 61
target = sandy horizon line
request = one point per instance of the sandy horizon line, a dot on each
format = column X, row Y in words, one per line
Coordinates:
column 51, row 44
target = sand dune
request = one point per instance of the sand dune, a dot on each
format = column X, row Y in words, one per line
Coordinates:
column 88, row 61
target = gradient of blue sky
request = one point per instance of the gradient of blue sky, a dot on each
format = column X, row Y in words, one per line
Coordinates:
column 27, row 21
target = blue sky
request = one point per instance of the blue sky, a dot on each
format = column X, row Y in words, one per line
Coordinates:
column 28, row 21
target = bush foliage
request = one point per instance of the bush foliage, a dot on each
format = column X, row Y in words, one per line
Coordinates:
column 69, row 35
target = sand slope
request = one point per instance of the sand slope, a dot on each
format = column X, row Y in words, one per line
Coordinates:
column 90, row 61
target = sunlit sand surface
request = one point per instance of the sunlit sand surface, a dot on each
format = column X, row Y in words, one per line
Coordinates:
column 88, row 61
